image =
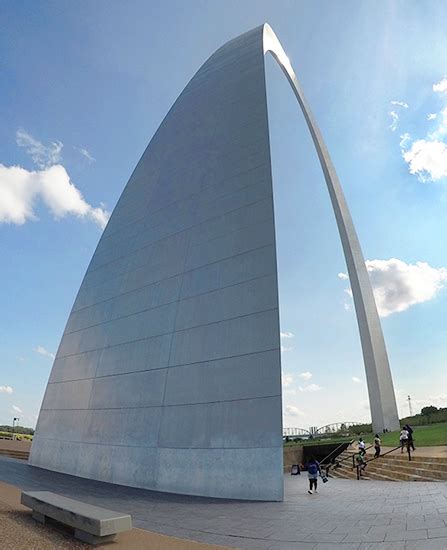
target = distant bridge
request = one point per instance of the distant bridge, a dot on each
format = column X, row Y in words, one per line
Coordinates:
column 328, row 429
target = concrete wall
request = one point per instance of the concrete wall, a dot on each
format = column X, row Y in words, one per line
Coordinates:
column 168, row 373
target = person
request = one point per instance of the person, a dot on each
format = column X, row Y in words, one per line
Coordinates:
column 410, row 436
column 377, row 443
column 360, row 460
column 313, row 471
column 361, row 446
column 403, row 439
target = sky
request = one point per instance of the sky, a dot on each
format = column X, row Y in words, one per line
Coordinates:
column 84, row 86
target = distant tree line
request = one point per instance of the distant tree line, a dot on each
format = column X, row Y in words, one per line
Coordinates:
column 428, row 415
column 17, row 430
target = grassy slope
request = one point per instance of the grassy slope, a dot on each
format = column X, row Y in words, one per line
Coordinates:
column 424, row 436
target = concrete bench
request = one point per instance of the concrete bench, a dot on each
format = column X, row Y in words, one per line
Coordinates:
column 92, row 524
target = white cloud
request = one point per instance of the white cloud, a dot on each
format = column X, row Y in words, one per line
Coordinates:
column 427, row 159
column 404, row 141
column 398, row 285
column 441, row 129
column 287, row 334
column 310, row 388
column 17, row 409
column 86, row 154
column 343, row 276
column 356, row 380
column 291, row 410
column 394, row 120
column 285, row 349
column 431, row 116
column 42, row 155
column 6, row 389
column 20, row 189
column 400, row 104
column 305, row 375
column 441, row 86
column 287, row 379
column 42, row 351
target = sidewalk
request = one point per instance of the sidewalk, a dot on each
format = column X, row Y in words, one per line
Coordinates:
column 19, row 531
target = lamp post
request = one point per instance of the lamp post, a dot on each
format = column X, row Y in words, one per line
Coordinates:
column 14, row 420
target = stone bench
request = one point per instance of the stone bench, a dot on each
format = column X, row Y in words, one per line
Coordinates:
column 92, row 524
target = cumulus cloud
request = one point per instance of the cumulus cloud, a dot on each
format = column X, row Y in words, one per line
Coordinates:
column 427, row 159
column 20, row 189
column 310, row 388
column 431, row 116
column 42, row 351
column 42, row 155
column 17, row 409
column 305, row 375
column 440, row 86
column 287, row 334
column 291, row 410
column 287, row 379
column 343, row 276
column 398, row 285
column 6, row 389
column 356, row 380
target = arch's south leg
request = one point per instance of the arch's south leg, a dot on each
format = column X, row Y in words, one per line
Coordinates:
column 168, row 374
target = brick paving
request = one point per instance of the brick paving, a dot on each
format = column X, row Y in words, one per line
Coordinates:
column 345, row 514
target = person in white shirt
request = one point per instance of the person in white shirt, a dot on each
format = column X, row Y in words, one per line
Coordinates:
column 403, row 439
column 361, row 445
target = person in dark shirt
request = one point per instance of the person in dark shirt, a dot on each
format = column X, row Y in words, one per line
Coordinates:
column 410, row 436
column 313, row 471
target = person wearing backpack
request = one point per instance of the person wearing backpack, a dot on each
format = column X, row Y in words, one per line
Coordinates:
column 313, row 471
column 410, row 435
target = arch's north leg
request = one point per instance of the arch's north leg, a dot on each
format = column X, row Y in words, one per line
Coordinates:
column 380, row 384
column 168, row 374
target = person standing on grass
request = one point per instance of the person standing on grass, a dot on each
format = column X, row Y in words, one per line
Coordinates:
column 410, row 436
column 377, row 444
column 403, row 439
column 313, row 471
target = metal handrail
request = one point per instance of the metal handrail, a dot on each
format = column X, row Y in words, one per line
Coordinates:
column 346, row 458
column 380, row 456
column 336, row 449
column 352, row 456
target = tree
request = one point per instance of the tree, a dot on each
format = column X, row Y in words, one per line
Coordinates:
column 429, row 410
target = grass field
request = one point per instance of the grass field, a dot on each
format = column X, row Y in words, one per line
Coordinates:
column 424, row 436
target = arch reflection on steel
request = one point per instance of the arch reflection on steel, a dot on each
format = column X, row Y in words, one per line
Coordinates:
column 168, row 374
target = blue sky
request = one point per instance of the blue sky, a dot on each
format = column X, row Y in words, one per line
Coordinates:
column 85, row 85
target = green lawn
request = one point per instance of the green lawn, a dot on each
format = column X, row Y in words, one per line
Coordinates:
column 424, row 436
column 322, row 441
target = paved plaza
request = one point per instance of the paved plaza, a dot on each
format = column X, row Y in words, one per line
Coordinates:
column 345, row 514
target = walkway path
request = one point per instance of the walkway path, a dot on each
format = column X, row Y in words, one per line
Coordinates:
column 343, row 515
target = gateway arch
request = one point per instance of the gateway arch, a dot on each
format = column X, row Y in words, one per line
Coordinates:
column 168, row 374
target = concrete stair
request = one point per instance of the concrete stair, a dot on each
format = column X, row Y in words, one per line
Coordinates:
column 12, row 453
column 394, row 467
